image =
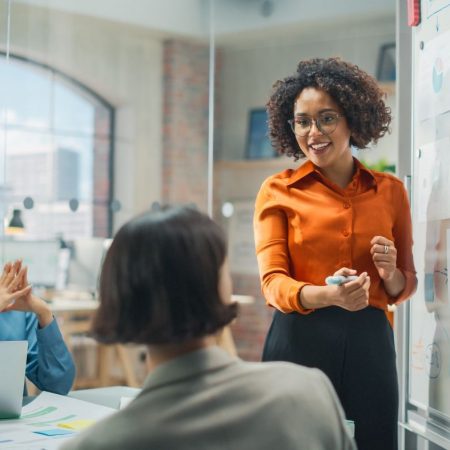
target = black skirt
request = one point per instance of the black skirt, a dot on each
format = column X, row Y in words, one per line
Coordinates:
column 356, row 351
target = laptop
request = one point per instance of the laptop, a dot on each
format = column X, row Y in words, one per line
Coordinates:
column 13, row 357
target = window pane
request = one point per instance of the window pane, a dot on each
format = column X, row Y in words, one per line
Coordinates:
column 76, row 161
column 56, row 219
column 55, row 151
column 29, row 165
column 76, row 110
column 25, row 93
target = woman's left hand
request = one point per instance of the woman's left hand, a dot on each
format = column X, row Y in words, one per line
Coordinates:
column 384, row 256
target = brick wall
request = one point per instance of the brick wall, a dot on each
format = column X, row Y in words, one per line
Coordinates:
column 185, row 126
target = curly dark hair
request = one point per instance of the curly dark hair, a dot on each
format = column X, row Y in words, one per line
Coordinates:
column 354, row 91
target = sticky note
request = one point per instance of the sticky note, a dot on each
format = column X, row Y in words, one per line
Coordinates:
column 77, row 424
column 54, row 432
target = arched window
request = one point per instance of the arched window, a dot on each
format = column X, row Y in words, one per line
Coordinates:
column 56, row 147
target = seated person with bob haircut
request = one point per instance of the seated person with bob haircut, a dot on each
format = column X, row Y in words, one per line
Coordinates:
column 25, row 317
column 165, row 283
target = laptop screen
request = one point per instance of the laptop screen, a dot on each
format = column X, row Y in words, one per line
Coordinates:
column 12, row 377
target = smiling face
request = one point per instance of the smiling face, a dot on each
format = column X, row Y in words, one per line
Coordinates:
column 328, row 152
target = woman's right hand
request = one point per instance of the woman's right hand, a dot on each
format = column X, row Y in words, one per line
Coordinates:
column 353, row 295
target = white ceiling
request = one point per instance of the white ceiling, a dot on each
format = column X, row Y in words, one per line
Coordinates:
column 191, row 17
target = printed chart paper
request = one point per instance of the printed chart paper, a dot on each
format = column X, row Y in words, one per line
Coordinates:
column 39, row 425
column 433, row 78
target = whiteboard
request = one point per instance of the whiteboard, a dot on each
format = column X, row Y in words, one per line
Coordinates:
column 429, row 338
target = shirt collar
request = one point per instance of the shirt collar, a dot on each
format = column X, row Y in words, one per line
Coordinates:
column 308, row 168
column 188, row 365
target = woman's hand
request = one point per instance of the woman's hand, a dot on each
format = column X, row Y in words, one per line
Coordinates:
column 11, row 287
column 24, row 300
column 353, row 295
column 384, row 256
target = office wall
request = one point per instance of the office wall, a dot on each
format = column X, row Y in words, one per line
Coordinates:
column 121, row 63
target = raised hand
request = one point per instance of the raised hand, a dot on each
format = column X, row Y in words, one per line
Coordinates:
column 384, row 256
column 24, row 300
column 11, row 285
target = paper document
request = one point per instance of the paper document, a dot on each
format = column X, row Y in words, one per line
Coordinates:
column 43, row 424
column 432, row 86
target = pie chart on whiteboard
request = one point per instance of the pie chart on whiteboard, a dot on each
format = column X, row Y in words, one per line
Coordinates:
column 438, row 75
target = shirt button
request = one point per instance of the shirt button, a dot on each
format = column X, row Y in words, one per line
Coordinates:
column 346, row 205
column 345, row 233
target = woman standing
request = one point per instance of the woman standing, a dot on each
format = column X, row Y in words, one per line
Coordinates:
column 333, row 216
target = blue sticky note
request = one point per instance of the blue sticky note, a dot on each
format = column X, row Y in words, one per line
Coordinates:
column 54, row 432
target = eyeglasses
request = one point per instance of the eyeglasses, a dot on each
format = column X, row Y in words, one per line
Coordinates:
column 326, row 123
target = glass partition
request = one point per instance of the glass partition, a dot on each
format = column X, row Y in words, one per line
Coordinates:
column 257, row 43
column 107, row 108
column 104, row 111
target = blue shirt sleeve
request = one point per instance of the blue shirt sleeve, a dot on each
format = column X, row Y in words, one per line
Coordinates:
column 49, row 363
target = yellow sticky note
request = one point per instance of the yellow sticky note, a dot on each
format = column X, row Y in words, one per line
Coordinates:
column 77, row 424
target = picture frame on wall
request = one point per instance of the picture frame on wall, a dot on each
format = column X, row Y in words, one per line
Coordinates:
column 386, row 63
column 258, row 142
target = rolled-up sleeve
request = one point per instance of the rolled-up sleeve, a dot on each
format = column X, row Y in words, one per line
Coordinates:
column 280, row 290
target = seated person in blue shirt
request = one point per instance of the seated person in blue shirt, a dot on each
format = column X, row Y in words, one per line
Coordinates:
column 23, row 316
column 165, row 283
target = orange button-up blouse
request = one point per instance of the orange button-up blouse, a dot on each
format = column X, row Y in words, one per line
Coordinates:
column 307, row 227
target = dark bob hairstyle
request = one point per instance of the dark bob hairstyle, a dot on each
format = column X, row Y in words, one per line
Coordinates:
column 354, row 91
column 160, row 277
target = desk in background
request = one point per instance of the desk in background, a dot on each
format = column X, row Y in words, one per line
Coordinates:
column 74, row 318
